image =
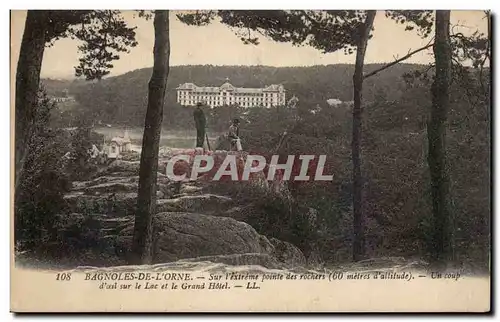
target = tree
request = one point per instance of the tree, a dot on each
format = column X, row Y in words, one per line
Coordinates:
column 357, row 180
column 328, row 31
column 451, row 50
column 27, row 80
column 104, row 35
column 146, row 201
column 436, row 135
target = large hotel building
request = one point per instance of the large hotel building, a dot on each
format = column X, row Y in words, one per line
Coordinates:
column 189, row 94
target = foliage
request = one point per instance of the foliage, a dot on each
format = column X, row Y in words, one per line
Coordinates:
column 80, row 165
column 395, row 175
column 325, row 30
column 103, row 33
column 48, row 173
column 43, row 182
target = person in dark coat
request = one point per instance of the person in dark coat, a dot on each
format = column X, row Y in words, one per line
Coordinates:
column 234, row 134
column 200, row 122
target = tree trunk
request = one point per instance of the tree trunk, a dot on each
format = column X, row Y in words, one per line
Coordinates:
column 27, row 83
column 146, row 201
column 357, row 181
column 441, row 247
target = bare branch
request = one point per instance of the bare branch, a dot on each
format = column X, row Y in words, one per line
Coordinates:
column 398, row 60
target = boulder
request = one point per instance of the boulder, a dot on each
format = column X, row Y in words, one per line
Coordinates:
column 189, row 235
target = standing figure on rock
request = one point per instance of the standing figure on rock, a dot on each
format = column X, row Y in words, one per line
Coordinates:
column 201, row 122
column 234, row 135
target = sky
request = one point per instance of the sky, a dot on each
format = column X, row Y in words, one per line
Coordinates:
column 216, row 44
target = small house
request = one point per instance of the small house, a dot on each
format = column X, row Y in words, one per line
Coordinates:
column 119, row 145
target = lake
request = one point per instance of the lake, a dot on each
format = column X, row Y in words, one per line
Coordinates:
column 172, row 139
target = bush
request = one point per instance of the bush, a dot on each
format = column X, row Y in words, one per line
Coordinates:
column 39, row 196
column 80, row 166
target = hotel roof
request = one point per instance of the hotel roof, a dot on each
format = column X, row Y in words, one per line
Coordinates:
column 230, row 88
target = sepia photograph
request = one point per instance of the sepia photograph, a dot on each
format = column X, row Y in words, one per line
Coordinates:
column 251, row 160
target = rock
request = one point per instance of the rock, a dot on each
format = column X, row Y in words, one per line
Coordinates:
column 189, row 189
column 206, row 203
column 287, row 253
column 88, row 222
column 116, row 222
column 188, row 235
column 119, row 174
column 80, row 185
column 117, row 204
column 264, row 260
column 122, row 166
column 130, row 156
column 167, row 205
column 111, row 187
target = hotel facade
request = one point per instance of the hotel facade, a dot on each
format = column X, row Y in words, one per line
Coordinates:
column 188, row 94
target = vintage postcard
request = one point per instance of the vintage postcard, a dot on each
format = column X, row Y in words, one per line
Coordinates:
column 251, row 161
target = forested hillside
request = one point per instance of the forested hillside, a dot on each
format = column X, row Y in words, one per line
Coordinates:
column 122, row 99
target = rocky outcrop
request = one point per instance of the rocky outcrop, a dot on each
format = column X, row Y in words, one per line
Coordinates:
column 113, row 193
column 190, row 223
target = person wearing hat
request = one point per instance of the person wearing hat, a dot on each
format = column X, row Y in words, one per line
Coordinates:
column 200, row 122
column 234, row 135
